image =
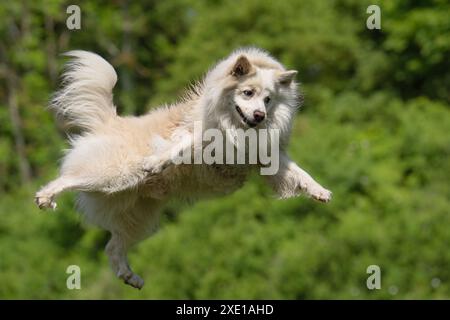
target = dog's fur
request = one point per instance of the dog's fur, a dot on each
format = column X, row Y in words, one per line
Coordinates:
column 121, row 165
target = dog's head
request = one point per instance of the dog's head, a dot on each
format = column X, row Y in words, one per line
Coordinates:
column 250, row 89
column 258, row 90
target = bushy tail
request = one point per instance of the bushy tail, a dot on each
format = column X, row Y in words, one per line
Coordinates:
column 85, row 101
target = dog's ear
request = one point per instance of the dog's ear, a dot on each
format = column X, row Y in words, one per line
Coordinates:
column 241, row 67
column 286, row 77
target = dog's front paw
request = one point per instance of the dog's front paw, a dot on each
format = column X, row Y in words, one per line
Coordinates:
column 319, row 193
column 155, row 165
column 44, row 201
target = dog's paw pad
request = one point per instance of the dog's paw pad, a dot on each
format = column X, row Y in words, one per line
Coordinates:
column 45, row 202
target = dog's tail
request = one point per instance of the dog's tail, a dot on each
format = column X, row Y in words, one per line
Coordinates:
column 85, row 101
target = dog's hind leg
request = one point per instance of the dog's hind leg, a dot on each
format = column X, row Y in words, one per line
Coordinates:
column 128, row 227
column 116, row 249
column 45, row 197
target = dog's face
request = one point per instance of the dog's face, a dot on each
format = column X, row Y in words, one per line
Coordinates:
column 257, row 91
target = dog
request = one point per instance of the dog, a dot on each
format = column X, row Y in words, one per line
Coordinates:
column 122, row 166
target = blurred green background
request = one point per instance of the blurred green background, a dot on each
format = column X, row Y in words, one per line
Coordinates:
column 374, row 129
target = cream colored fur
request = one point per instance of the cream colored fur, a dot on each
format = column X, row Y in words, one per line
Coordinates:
column 121, row 165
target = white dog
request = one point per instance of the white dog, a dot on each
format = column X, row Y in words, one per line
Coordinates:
column 122, row 166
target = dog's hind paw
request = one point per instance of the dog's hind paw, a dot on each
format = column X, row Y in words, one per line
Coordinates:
column 135, row 281
column 132, row 279
column 44, row 201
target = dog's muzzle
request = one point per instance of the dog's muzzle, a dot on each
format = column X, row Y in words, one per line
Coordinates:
column 257, row 115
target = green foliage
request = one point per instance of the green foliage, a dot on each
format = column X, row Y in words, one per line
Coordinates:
column 374, row 129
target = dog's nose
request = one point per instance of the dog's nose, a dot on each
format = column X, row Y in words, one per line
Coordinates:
column 259, row 115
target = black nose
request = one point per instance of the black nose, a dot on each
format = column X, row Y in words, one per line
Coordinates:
column 259, row 115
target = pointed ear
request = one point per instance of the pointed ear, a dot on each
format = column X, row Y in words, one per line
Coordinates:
column 286, row 77
column 241, row 67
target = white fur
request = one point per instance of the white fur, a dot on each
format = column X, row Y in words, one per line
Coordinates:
column 86, row 100
column 121, row 165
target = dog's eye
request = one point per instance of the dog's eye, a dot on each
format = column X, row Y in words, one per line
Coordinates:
column 266, row 100
column 248, row 93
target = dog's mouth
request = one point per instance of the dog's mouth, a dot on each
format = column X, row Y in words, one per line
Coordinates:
column 246, row 120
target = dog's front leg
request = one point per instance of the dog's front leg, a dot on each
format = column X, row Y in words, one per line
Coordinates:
column 291, row 180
